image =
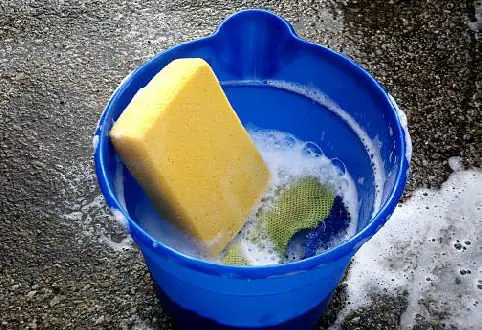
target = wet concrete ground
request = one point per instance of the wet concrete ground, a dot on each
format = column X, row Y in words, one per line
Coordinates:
column 60, row 264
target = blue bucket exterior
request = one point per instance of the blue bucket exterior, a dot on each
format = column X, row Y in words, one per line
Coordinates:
column 249, row 51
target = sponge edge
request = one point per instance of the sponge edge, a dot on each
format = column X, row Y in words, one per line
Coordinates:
column 185, row 145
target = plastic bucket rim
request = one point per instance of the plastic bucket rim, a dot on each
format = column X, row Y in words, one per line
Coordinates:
column 342, row 250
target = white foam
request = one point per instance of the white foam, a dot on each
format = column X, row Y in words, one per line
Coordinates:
column 74, row 216
column 95, row 143
column 455, row 163
column 404, row 124
column 426, row 249
column 259, row 256
column 288, row 158
column 135, row 323
column 97, row 126
column 96, row 203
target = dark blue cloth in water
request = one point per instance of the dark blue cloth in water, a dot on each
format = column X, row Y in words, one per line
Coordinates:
column 335, row 223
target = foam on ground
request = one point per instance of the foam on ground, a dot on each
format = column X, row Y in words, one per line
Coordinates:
column 120, row 218
column 431, row 247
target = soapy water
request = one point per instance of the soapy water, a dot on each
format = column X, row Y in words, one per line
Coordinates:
column 371, row 146
column 372, row 149
column 287, row 158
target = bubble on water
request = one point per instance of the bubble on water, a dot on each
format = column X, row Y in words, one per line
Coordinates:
column 340, row 166
column 312, row 149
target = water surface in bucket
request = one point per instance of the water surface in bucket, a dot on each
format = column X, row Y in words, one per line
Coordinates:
column 288, row 158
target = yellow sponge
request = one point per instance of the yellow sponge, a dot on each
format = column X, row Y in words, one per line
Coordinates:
column 183, row 142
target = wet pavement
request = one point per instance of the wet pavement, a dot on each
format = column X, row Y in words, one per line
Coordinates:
column 64, row 262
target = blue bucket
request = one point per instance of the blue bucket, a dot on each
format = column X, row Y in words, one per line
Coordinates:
column 274, row 80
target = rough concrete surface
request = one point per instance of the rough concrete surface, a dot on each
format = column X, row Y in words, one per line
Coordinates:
column 63, row 263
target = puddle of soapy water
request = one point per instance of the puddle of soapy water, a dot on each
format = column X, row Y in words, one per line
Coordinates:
column 431, row 248
column 86, row 208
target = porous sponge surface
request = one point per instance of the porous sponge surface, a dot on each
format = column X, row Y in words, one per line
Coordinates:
column 185, row 145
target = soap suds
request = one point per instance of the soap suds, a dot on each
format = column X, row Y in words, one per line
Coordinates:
column 455, row 163
column 321, row 98
column 135, row 323
column 256, row 256
column 430, row 248
column 97, row 126
column 289, row 158
column 404, row 124
column 95, row 143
